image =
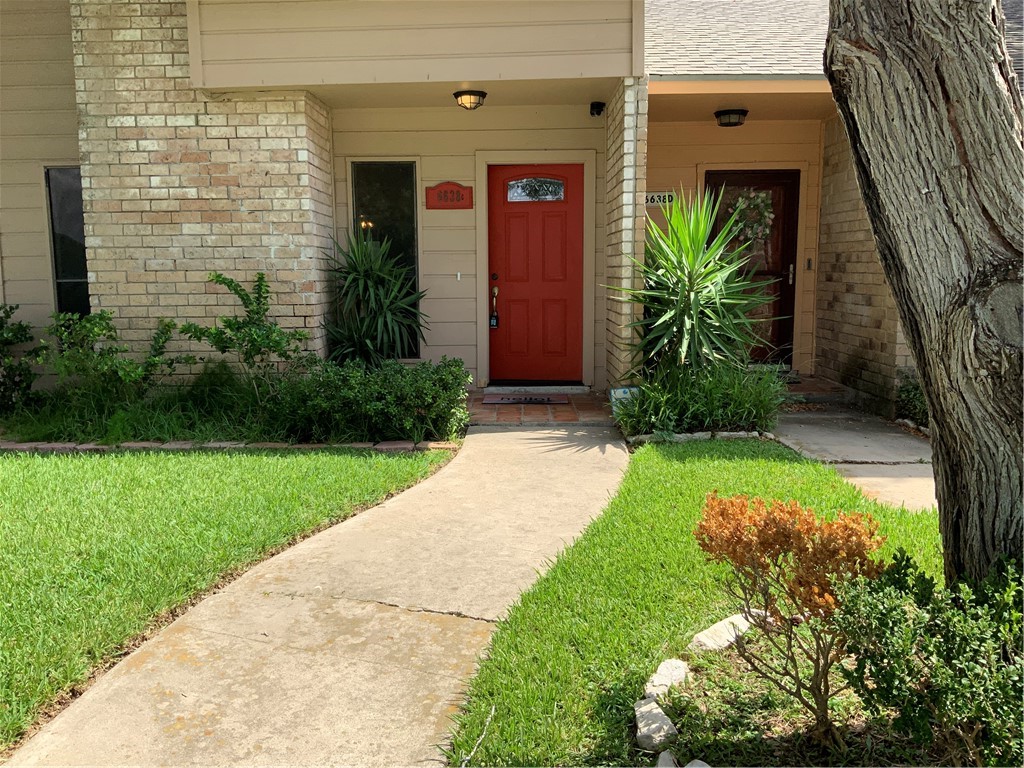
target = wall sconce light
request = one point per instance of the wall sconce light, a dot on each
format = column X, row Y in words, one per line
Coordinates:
column 730, row 118
column 470, row 99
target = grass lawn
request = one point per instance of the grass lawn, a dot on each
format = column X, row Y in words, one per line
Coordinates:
column 93, row 548
column 565, row 667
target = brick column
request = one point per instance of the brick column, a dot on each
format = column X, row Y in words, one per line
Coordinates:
column 859, row 342
column 626, row 185
column 178, row 183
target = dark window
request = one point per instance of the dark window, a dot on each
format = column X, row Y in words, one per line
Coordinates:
column 67, row 233
column 384, row 201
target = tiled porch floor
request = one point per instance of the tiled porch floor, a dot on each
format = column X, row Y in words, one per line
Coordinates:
column 590, row 409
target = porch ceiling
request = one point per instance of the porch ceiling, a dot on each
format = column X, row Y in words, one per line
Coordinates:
column 697, row 107
column 500, row 93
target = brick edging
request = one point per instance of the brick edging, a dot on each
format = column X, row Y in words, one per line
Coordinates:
column 386, row 446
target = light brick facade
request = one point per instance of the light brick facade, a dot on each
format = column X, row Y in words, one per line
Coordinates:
column 626, row 187
column 859, row 342
column 178, row 183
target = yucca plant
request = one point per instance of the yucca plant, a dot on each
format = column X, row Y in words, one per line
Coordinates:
column 697, row 293
column 376, row 313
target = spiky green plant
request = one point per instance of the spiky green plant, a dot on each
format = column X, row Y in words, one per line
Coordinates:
column 376, row 312
column 698, row 295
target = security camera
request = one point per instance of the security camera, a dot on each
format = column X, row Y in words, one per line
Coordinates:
column 596, row 108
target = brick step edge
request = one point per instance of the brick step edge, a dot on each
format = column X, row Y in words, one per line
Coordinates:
column 387, row 446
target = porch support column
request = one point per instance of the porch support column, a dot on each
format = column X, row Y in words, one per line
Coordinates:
column 626, row 185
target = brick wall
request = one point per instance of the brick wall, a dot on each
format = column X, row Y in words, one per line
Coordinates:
column 177, row 182
column 626, row 185
column 859, row 342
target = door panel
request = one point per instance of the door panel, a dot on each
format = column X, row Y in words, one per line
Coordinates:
column 772, row 249
column 535, row 239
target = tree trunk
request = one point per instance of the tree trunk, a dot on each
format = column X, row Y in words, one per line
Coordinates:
column 933, row 111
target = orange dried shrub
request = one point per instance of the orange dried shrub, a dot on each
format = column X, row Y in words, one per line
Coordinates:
column 802, row 554
column 786, row 563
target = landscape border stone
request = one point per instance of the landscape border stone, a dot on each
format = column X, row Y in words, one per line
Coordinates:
column 389, row 446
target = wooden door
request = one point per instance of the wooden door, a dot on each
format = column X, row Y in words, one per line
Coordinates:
column 535, row 246
column 772, row 249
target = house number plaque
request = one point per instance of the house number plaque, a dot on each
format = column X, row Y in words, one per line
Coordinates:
column 448, row 195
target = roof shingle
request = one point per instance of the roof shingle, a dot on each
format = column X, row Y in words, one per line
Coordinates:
column 746, row 39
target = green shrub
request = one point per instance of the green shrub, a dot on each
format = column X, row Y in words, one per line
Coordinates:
column 16, row 374
column 258, row 342
column 376, row 313
column 697, row 295
column 949, row 662
column 322, row 401
column 722, row 397
column 910, row 402
column 93, row 369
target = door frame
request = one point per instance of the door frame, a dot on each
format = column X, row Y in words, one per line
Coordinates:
column 805, row 280
column 588, row 159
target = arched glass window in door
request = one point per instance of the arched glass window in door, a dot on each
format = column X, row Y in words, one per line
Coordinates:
column 535, row 189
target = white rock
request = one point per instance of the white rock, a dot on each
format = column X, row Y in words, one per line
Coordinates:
column 720, row 635
column 670, row 673
column 666, row 760
column 686, row 437
column 734, row 435
column 906, row 423
column 639, row 439
column 768, row 435
column 924, row 431
column 653, row 728
column 697, row 764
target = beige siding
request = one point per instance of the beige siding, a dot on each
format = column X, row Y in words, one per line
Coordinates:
column 38, row 128
column 310, row 42
column 680, row 153
column 444, row 143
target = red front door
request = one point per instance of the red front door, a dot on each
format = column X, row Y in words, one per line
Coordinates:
column 535, row 242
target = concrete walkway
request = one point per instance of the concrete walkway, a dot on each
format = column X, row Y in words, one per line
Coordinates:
column 352, row 647
column 884, row 461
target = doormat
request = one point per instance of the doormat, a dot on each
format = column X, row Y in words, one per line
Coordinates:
column 526, row 399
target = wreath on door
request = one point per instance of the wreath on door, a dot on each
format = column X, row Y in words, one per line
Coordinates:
column 754, row 215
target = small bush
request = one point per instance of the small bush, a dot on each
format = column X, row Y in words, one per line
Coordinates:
column 720, row 397
column 949, row 662
column 16, row 374
column 323, row 401
column 93, row 369
column 786, row 567
column 910, row 402
column 258, row 342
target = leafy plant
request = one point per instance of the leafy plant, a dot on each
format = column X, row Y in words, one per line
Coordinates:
column 376, row 313
column 697, row 296
column 325, row 401
column 716, row 397
column 85, row 353
column 16, row 374
column 258, row 341
column 910, row 401
column 949, row 662
column 786, row 567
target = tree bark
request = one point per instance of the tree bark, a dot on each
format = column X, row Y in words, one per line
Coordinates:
column 933, row 111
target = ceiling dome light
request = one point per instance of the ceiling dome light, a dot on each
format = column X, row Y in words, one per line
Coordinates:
column 470, row 99
column 730, row 118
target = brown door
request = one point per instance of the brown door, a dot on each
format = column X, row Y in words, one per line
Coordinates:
column 769, row 205
column 535, row 245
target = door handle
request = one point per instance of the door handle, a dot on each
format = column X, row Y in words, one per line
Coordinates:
column 494, row 308
column 792, row 272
